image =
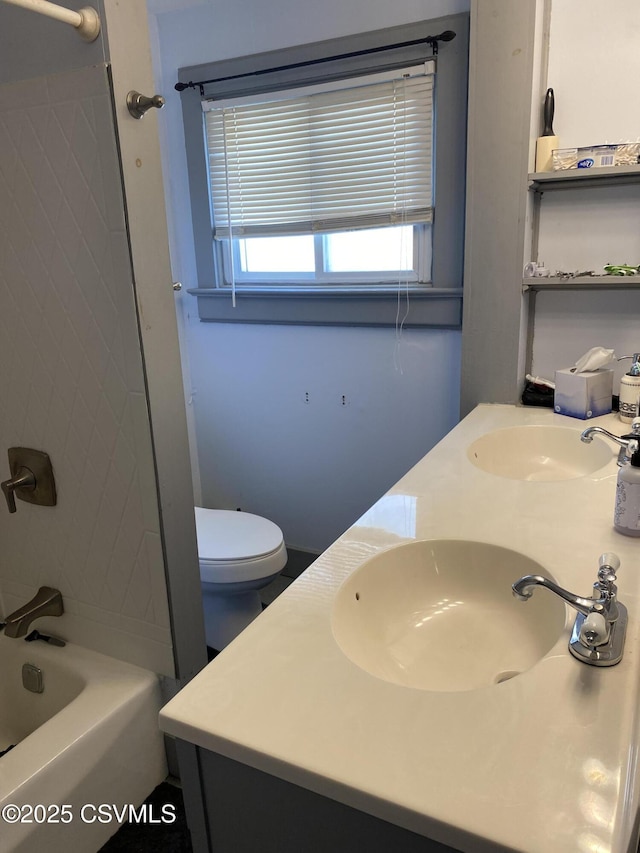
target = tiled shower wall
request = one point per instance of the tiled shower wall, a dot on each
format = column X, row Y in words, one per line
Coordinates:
column 71, row 374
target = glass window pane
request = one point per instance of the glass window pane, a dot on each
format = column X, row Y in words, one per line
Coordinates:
column 277, row 254
column 370, row 250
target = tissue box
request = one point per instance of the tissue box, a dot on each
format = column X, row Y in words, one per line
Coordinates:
column 594, row 156
column 583, row 395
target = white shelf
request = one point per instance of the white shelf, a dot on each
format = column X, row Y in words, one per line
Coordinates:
column 592, row 282
column 575, row 178
column 540, row 182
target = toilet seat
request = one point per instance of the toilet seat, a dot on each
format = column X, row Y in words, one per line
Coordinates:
column 237, row 546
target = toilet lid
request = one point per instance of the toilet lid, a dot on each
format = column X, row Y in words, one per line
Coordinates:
column 229, row 535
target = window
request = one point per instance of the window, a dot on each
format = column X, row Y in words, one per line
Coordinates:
column 313, row 175
column 351, row 257
column 325, row 186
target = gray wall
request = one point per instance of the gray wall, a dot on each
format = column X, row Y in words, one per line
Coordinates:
column 501, row 66
column 313, row 468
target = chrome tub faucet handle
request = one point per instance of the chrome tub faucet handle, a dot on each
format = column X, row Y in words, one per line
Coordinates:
column 31, row 478
column 24, row 479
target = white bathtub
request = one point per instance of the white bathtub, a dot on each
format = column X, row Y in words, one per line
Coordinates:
column 90, row 738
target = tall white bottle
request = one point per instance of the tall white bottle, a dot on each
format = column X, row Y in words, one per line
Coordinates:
column 626, row 516
column 630, row 390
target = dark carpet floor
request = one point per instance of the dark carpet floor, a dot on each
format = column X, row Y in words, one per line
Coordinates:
column 157, row 837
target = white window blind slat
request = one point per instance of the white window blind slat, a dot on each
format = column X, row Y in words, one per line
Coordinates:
column 330, row 160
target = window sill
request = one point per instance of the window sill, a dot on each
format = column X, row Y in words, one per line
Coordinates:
column 428, row 307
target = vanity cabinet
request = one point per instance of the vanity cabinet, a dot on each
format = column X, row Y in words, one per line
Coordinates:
column 248, row 810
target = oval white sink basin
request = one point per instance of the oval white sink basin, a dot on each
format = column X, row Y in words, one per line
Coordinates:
column 440, row 615
column 539, row 453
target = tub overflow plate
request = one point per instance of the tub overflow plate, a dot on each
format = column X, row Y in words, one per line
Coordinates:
column 32, row 678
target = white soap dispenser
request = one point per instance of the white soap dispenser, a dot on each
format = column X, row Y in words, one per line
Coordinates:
column 626, row 516
column 630, row 390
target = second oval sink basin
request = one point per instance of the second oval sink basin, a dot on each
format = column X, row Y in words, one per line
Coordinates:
column 543, row 453
column 440, row 615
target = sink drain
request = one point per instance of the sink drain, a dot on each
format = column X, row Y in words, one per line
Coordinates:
column 507, row 675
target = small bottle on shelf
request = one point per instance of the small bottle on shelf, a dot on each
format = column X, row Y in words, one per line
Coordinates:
column 630, row 390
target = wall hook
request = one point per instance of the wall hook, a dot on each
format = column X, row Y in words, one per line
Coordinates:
column 138, row 104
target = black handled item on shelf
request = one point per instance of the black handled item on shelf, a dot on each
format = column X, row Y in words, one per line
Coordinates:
column 548, row 141
column 549, row 112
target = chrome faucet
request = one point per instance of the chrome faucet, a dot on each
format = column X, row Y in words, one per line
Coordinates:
column 623, row 440
column 46, row 602
column 600, row 626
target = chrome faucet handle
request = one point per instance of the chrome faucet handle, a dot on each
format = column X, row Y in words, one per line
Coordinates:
column 634, row 435
column 598, row 633
column 609, row 560
column 605, row 587
column 594, row 631
column 24, row 479
column 608, row 565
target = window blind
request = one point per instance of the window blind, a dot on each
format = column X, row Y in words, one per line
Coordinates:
column 327, row 158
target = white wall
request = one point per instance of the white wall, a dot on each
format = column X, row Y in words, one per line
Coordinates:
column 568, row 324
column 314, row 467
column 594, row 64
column 593, row 68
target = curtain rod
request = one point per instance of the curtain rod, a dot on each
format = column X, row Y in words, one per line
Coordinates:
column 447, row 35
column 86, row 20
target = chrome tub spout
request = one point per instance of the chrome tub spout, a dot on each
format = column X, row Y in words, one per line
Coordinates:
column 46, row 602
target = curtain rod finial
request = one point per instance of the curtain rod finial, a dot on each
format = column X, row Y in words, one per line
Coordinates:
column 89, row 26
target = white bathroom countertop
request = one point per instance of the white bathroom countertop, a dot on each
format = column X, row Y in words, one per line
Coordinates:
column 545, row 762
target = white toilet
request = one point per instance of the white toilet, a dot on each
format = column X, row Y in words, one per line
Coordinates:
column 239, row 553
